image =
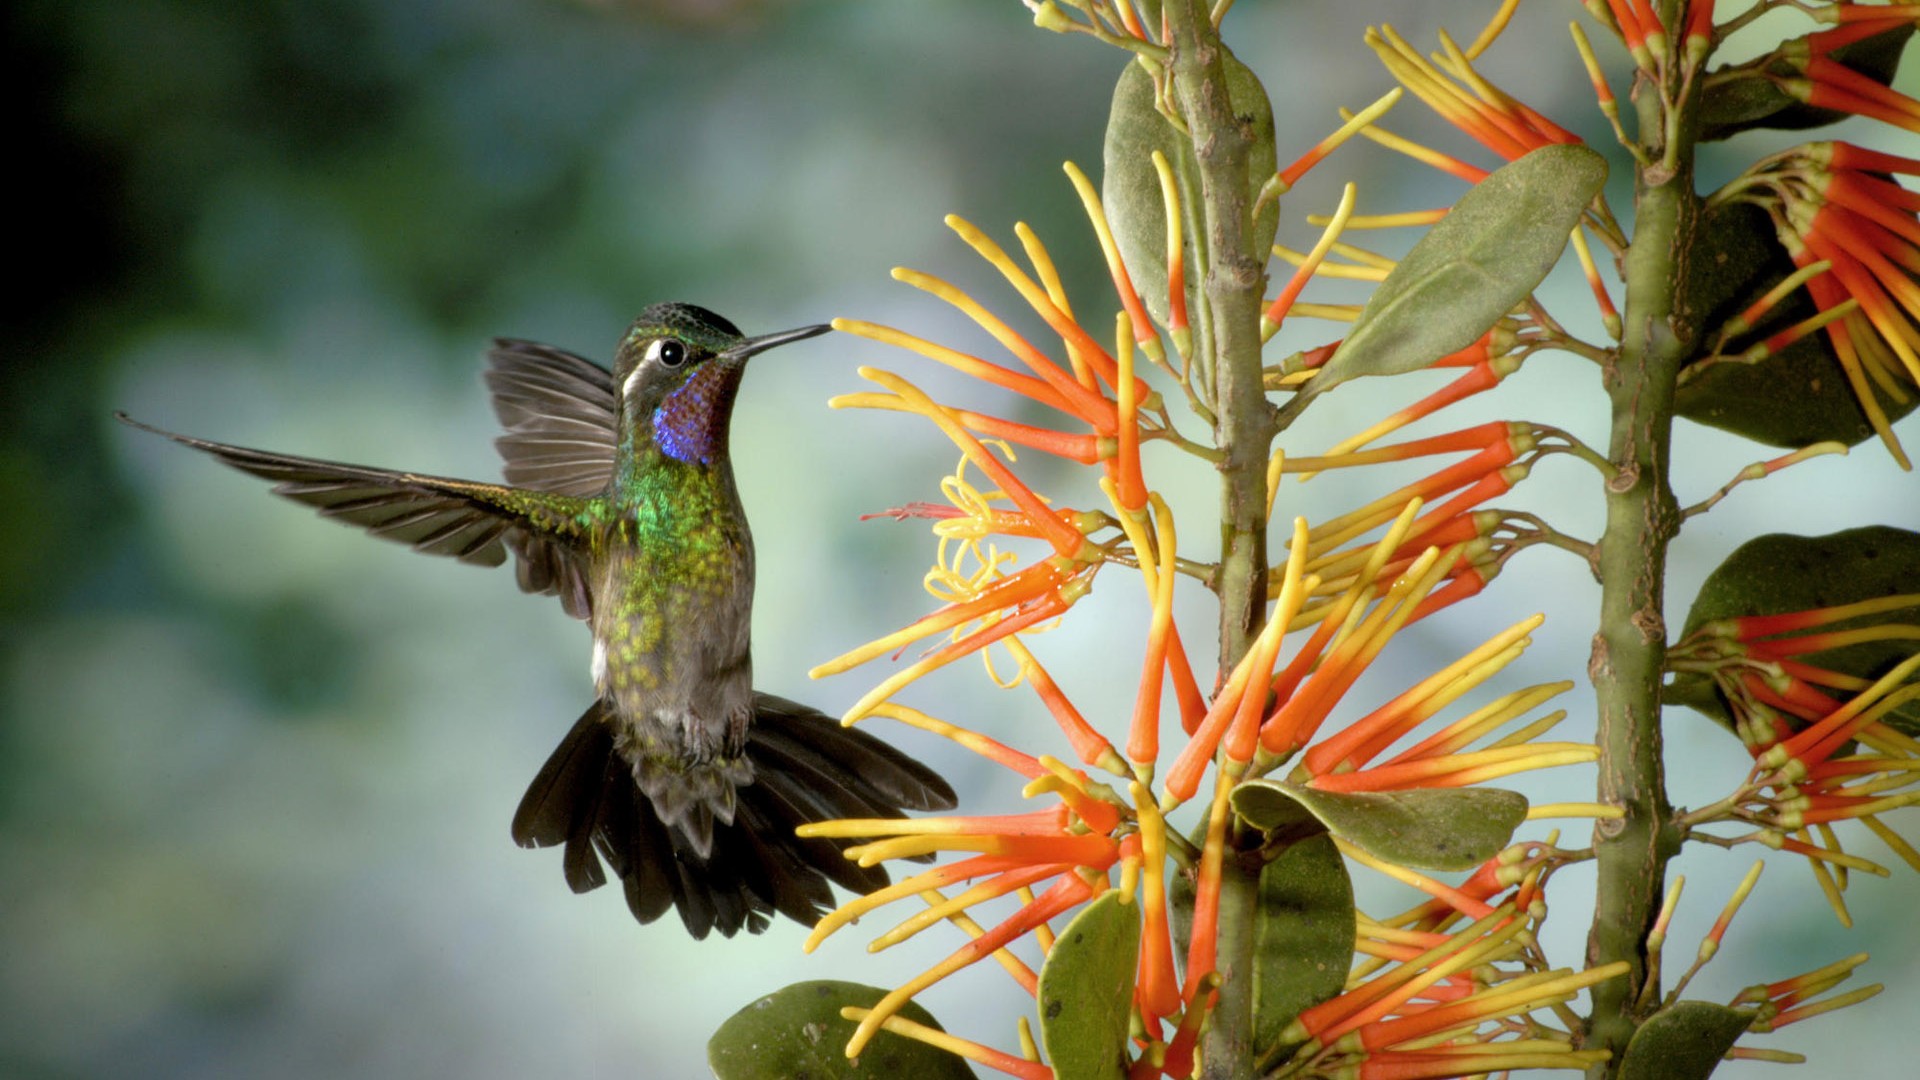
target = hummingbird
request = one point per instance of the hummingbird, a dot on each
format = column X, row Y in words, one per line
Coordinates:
column 620, row 500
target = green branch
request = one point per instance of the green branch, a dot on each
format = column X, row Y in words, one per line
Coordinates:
column 1629, row 650
column 1233, row 284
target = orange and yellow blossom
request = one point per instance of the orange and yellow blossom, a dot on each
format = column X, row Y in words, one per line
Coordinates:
column 1444, row 1007
column 1785, row 710
column 1347, row 596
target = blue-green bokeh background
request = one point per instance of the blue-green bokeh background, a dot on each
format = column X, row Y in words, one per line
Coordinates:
column 255, row 772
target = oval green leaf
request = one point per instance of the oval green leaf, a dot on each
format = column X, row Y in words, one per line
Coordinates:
column 1472, row 267
column 797, row 1031
column 1428, row 828
column 1795, row 398
column 1687, row 1040
column 1302, row 936
column 1781, row 572
column 1130, row 186
column 1266, row 805
column 1085, row 995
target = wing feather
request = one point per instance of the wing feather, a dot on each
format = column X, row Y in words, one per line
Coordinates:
column 561, row 416
column 473, row 522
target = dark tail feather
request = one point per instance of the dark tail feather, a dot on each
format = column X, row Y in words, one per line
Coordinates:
column 807, row 768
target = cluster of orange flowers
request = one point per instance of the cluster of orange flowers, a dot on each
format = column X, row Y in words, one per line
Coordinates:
column 1823, row 749
column 1430, row 997
column 1854, row 232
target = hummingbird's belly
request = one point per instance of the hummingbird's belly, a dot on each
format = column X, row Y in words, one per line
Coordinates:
column 672, row 652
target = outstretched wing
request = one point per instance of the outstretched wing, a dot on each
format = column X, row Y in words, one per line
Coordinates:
column 475, row 523
column 561, row 416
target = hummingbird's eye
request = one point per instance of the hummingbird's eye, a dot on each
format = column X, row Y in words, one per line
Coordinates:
column 668, row 352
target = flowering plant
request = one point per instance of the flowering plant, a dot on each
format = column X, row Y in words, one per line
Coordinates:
column 1198, row 852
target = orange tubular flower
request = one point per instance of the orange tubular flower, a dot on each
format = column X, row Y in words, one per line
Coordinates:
column 997, row 1060
column 1788, row 1001
column 1826, row 83
column 1856, row 238
column 1070, row 890
column 1495, row 120
column 1633, row 31
column 1385, row 1024
column 1073, row 843
column 1484, row 375
column 1699, row 32
column 1793, row 728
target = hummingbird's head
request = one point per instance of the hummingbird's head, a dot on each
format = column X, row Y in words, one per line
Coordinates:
column 677, row 372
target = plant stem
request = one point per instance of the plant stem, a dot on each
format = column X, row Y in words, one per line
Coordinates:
column 1629, row 650
column 1233, row 283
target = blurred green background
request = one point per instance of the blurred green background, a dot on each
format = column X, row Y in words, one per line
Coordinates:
column 256, row 772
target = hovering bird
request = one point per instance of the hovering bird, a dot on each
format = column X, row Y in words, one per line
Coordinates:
column 620, row 500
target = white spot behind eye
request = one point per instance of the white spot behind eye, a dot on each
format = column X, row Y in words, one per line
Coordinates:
column 633, row 381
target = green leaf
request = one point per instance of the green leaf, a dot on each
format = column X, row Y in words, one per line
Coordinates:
column 1086, row 990
column 1795, row 398
column 1266, row 805
column 1687, row 1040
column 1738, row 104
column 1303, row 937
column 1472, row 267
column 1303, row 941
column 797, row 1032
column 1734, row 105
column 1428, row 828
column 1781, row 572
column 1130, row 187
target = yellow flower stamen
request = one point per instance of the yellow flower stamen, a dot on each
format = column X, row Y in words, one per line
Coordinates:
column 991, row 749
column 1012, row 964
column 1482, row 942
column 1176, row 258
column 1495, row 26
column 1276, row 467
column 1711, row 943
column 1602, row 92
column 1439, row 689
column 953, row 1044
column 1029, row 385
column 1336, row 270
column 1311, row 264
column 1893, row 840
column 897, row 998
column 1143, row 333
column 1432, row 887
column 1609, row 315
column 1132, row 488
column 1423, row 154
column 1376, row 559
column 1056, row 290
column 1080, row 400
column 1036, row 298
column 1284, row 180
column 1543, row 811
column 1465, row 730
column 1818, row 1008
column 1457, row 63
column 1531, row 731
column 940, row 907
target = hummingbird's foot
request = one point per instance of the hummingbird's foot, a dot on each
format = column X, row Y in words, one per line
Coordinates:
column 691, row 795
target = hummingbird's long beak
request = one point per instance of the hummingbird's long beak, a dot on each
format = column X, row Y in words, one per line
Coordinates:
column 764, row 342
